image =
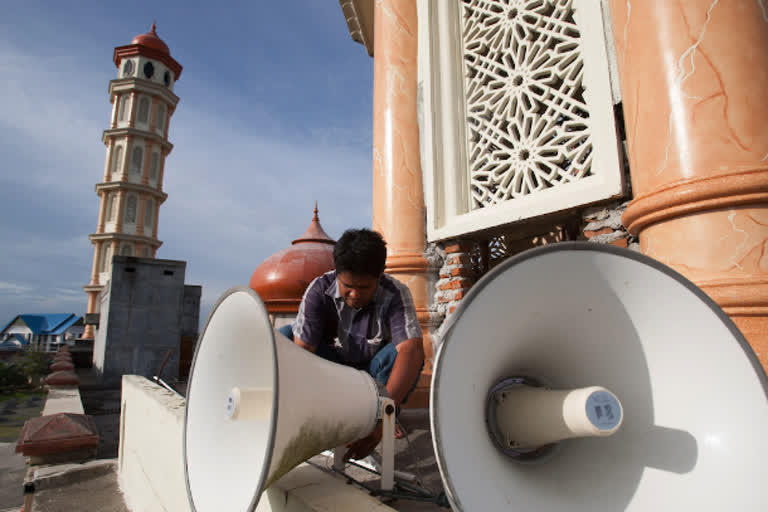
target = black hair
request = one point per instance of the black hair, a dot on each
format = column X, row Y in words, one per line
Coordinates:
column 360, row 251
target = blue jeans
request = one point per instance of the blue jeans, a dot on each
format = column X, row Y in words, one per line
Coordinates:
column 380, row 367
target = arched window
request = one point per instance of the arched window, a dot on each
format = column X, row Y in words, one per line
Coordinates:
column 154, row 163
column 123, row 107
column 149, row 213
column 161, row 118
column 111, row 208
column 126, row 250
column 130, row 209
column 137, row 160
column 143, row 115
column 117, row 165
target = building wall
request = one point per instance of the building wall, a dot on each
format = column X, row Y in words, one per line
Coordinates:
column 143, row 318
column 151, row 457
column 463, row 261
column 18, row 328
column 190, row 315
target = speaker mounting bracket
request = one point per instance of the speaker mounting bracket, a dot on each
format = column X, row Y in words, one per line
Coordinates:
column 386, row 414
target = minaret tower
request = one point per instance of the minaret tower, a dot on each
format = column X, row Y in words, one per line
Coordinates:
column 137, row 144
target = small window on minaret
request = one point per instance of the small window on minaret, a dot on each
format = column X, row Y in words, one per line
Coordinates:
column 117, row 165
column 137, row 160
column 154, row 162
column 104, row 257
column 161, row 118
column 149, row 210
column 143, row 115
column 123, row 108
column 111, row 208
column 145, row 252
column 126, row 250
column 130, row 210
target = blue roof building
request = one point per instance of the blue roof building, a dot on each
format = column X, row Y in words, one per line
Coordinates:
column 40, row 330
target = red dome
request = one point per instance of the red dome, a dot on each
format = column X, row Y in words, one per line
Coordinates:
column 282, row 278
column 151, row 40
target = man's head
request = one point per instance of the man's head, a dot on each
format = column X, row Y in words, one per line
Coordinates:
column 359, row 256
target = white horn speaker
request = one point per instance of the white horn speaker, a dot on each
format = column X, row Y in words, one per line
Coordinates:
column 257, row 405
column 583, row 377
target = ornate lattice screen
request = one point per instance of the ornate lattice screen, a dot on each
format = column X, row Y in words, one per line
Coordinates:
column 533, row 131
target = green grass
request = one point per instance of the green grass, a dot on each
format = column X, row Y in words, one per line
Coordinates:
column 10, row 429
column 20, row 395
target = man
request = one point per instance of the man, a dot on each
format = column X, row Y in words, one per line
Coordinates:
column 359, row 316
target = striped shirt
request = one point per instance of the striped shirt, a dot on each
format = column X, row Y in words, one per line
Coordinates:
column 356, row 334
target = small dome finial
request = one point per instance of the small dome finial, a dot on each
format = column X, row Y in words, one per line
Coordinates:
column 154, row 27
column 315, row 217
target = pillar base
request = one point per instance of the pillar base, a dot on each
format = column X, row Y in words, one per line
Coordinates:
column 722, row 252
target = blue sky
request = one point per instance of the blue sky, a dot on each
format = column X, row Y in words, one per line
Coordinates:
column 275, row 112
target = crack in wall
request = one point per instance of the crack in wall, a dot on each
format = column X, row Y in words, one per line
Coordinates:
column 731, row 219
column 681, row 77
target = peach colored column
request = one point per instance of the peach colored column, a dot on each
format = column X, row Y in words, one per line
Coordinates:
column 398, row 204
column 88, row 333
column 693, row 78
column 103, row 205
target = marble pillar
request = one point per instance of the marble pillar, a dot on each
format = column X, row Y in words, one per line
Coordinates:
column 398, row 200
column 693, row 78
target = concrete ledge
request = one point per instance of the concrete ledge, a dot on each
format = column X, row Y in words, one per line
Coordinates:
column 151, row 458
column 59, row 475
column 151, row 463
column 63, row 399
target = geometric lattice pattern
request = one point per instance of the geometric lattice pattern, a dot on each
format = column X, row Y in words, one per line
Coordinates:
column 527, row 119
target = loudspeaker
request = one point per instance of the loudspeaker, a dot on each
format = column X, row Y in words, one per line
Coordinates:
column 570, row 334
column 257, row 405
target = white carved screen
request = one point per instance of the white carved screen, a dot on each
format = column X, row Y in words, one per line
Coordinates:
column 516, row 111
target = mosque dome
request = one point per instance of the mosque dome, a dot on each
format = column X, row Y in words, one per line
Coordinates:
column 282, row 278
column 151, row 40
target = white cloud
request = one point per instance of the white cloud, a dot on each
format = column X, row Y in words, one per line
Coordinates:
column 237, row 193
column 14, row 288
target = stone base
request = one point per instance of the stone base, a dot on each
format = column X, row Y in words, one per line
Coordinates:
column 58, row 438
column 74, row 456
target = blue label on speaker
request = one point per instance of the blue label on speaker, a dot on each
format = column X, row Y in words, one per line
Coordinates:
column 603, row 410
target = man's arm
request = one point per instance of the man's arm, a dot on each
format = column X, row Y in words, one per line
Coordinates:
column 310, row 319
column 410, row 358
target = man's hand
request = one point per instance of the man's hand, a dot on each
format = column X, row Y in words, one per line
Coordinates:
column 364, row 447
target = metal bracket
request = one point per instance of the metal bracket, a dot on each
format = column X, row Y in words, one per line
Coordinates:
column 386, row 414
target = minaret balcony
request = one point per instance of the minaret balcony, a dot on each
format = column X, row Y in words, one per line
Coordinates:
column 123, row 85
column 144, row 134
column 133, row 187
column 124, row 237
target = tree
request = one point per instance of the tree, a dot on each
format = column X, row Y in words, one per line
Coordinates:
column 11, row 376
column 34, row 363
